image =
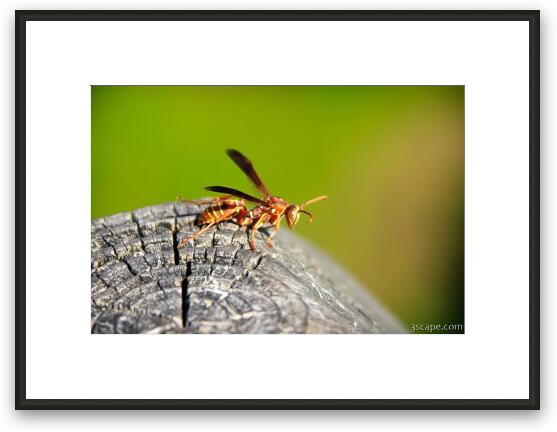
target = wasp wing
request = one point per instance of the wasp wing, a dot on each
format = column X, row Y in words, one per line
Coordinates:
column 235, row 192
column 247, row 167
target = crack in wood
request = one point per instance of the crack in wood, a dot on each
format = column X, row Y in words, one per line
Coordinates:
column 185, row 297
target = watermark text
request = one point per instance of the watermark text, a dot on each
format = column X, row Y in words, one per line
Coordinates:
column 436, row 328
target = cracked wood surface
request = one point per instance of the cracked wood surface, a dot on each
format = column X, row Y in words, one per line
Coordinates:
column 141, row 282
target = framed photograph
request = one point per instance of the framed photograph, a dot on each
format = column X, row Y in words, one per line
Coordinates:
column 277, row 209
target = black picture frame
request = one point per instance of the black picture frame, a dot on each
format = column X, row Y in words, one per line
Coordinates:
column 531, row 16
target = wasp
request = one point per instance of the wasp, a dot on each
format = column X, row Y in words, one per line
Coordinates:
column 232, row 206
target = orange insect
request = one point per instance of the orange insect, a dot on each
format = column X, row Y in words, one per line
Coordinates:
column 270, row 209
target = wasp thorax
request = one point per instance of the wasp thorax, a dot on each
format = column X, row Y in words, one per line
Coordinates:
column 292, row 215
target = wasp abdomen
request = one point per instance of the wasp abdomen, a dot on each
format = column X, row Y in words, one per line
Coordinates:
column 221, row 211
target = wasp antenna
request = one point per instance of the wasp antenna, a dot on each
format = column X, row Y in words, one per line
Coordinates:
column 313, row 200
column 309, row 214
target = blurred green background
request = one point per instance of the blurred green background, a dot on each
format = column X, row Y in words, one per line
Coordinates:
column 390, row 158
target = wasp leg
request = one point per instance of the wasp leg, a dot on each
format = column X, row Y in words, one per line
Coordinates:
column 204, row 201
column 243, row 218
column 262, row 219
column 193, row 236
column 270, row 239
column 245, row 221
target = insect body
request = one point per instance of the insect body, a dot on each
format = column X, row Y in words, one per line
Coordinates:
column 221, row 210
column 270, row 209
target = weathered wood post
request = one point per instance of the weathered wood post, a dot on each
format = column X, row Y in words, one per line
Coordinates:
column 142, row 283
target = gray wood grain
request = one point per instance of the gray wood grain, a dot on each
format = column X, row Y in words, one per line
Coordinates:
column 141, row 282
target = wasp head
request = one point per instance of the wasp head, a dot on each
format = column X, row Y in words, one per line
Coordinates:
column 292, row 214
column 293, row 211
